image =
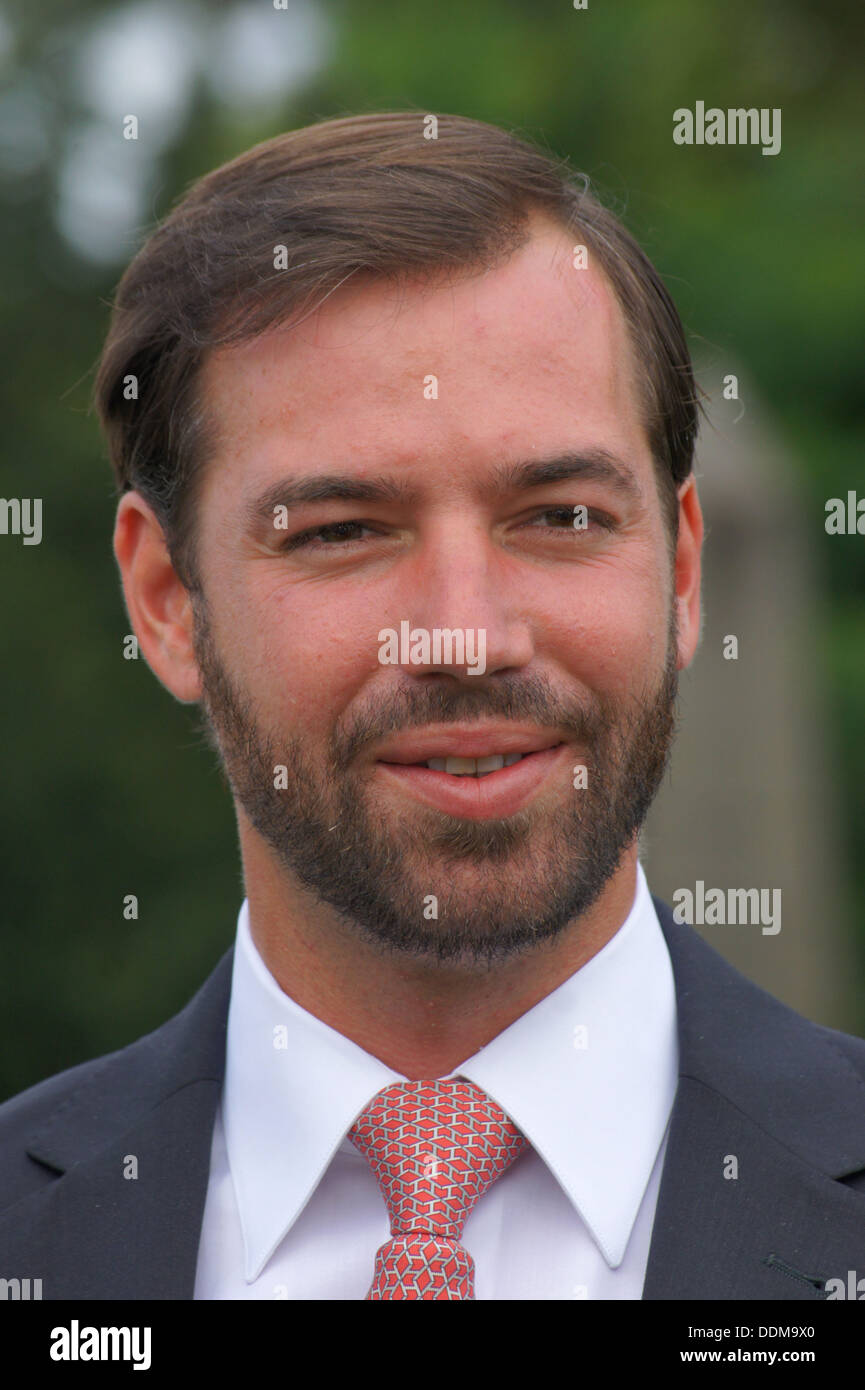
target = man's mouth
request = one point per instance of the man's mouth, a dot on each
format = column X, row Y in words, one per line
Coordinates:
column 472, row 767
column 485, row 786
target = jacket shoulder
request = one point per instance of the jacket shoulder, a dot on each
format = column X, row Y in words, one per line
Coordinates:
column 696, row 964
column 23, row 1115
column 850, row 1047
column 106, row 1094
column 801, row 1081
column 26, row 1109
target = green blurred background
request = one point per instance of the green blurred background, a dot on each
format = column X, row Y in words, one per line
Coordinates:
column 108, row 788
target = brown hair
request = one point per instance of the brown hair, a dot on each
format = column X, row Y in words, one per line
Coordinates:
column 362, row 194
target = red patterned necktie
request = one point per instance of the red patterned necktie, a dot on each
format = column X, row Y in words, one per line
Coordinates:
column 435, row 1147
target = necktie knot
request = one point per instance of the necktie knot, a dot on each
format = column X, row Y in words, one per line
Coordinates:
column 435, row 1147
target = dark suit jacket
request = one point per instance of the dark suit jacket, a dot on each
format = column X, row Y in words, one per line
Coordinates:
column 757, row 1083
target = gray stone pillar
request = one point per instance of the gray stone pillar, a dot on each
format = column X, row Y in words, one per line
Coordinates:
column 751, row 799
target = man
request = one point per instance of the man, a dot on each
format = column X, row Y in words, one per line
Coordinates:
column 404, row 433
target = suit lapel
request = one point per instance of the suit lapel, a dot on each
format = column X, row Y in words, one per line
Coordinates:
column 132, row 1146
column 767, row 1118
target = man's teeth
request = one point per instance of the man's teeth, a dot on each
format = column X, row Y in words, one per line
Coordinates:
column 473, row 767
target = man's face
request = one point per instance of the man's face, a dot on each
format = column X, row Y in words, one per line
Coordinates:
column 448, row 397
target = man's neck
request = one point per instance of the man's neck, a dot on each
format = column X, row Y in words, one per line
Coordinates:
column 421, row 1019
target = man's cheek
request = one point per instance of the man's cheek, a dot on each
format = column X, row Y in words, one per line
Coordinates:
column 609, row 646
column 310, row 685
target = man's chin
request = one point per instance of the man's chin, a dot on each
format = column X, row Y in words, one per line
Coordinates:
column 482, row 897
column 482, row 922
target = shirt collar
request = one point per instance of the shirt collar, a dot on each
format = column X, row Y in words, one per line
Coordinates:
column 588, row 1074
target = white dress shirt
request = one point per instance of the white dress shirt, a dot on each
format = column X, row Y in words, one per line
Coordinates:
column 588, row 1074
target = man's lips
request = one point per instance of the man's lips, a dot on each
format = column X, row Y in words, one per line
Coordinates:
column 500, row 793
column 474, row 742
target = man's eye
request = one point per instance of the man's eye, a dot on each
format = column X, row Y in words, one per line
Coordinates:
column 331, row 534
column 568, row 518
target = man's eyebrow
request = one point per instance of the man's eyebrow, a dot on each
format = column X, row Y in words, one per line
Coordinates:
column 588, row 465
column 325, row 487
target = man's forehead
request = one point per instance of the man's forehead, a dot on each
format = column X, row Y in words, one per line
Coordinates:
column 525, row 332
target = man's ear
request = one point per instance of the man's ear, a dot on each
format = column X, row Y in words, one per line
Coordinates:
column 687, row 572
column 158, row 603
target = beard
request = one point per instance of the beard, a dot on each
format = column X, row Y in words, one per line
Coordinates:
column 425, row 884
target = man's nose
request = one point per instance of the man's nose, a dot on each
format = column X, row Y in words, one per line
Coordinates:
column 464, row 585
